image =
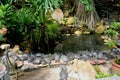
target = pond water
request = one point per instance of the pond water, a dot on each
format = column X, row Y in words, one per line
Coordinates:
column 81, row 43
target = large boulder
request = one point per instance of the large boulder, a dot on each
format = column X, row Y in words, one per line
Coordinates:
column 81, row 70
column 100, row 28
column 57, row 15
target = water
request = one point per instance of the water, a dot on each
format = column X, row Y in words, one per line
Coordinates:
column 81, row 43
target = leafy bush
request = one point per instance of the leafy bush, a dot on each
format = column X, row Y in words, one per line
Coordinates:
column 113, row 30
column 5, row 11
column 115, row 25
column 52, row 30
column 26, row 23
column 110, row 43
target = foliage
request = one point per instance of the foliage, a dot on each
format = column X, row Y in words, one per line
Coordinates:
column 113, row 30
column 8, row 1
column 87, row 4
column 118, row 74
column 5, row 11
column 110, row 43
column 1, row 37
column 52, row 30
column 100, row 74
column 117, row 61
column 45, row 4
column 115, row 25
column 27, row 22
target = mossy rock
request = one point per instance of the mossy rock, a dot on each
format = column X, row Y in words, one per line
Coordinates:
column 100, row 29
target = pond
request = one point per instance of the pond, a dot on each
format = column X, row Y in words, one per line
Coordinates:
column 81, row 43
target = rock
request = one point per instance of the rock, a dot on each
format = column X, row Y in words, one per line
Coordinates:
column 100, row 55
column 84, row 70
column 24, row 57
column 77, row 33
column 57, row 57
column 19, row 63
column 48, row 60
column 38, row 54
column 28, row 66
column 70, row 21
column 76, row 56
column 86, row 32
column 37, row 60
column 65, row 58
column 63, row 73
column 43, row 62
column 15, row 57
column 73, row 76
column 31, row 58
column 10, row 53
column 105, row 69
column 57, row 15
column 3, row 46
column 70, row 55
column 15, row 49
column 100, row 29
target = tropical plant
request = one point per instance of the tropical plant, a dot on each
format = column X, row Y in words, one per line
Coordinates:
column 31, row 22
column 114, row 29
column 5, row 11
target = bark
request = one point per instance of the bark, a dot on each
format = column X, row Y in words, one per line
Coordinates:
column 89, row 17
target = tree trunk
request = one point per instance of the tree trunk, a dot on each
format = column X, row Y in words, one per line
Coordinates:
column 89, row 17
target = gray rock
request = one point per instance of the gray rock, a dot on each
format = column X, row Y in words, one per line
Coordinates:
column 24, row 57
column 48, row 60
column 63, row 73
column 43, row 62
column 76, row 56
column 70, row 55
column 38, row 54
column 31, row 58
column 100, row 55
column 37, row 60
column 57, row 57
column 65, row 58
column 15, row 57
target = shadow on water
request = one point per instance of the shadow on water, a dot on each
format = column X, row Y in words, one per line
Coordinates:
column 81, row 43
